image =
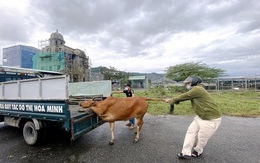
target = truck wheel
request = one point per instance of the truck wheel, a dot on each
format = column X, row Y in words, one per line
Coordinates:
column 30, row 134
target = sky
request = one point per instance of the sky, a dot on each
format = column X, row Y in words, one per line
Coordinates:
column 143, row 35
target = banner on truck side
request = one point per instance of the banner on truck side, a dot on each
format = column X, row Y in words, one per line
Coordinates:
column 33, row 107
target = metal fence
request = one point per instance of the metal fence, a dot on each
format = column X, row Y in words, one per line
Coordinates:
column 233, row 84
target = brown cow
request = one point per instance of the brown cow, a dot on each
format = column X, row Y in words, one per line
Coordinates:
column 119, row 109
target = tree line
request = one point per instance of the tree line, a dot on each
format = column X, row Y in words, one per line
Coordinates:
column 177, row 73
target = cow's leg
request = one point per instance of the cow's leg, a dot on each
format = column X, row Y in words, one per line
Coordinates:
column 112, row 126
column 139, row 123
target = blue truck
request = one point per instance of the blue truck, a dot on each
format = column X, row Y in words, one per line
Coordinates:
column 39, row 103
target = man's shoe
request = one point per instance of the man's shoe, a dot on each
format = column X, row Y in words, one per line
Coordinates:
column 195, row 154
column 181, row 156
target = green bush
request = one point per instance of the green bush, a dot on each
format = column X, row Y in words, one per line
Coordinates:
column 157, row 91
column 174, row 89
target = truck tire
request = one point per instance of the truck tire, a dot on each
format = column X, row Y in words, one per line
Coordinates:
column 30, row 134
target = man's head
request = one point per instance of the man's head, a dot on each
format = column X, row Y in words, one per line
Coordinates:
column 127, row 86
column 192, row 81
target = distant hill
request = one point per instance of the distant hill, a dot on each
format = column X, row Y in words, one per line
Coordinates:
column 95, row 72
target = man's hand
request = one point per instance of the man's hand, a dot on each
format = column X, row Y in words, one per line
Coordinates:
column 167, row 100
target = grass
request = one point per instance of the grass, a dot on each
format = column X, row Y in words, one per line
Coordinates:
column 238, row 103
column 245, row 104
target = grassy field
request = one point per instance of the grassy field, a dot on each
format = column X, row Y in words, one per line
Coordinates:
column 246, row 104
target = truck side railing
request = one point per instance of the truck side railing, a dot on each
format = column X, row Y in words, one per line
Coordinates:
column 52, row 88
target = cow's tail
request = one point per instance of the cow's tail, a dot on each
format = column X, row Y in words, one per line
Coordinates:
column 152, row 99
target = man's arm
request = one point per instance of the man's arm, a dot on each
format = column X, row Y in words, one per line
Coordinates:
column 183, row 97
column 117, row 92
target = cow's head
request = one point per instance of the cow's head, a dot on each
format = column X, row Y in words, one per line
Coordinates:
column 87, row 103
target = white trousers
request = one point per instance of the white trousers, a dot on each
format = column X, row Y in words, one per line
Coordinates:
column 204, row 129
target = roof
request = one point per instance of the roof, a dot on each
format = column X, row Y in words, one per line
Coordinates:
column 25, row 70
column 137, row 77
column 21, row 47
column 57, row 35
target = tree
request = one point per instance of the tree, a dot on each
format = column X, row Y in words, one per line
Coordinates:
column 113, row 74
column 182, row 71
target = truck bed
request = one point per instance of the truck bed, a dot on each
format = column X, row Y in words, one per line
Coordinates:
column 75, row 111
column 82, row 122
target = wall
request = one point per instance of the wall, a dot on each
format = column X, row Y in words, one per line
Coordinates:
column 19, row 56
column 12, row 56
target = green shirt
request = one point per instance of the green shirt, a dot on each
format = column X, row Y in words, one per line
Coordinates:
column 201, row 101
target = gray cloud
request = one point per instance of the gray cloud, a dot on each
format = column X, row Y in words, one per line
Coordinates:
column 8, row 27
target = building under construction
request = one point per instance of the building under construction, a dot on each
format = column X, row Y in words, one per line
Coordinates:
column 60, row 58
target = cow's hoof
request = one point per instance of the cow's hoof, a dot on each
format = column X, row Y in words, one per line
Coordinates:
column 111, row 143
column 135, row 133
column 135, row 141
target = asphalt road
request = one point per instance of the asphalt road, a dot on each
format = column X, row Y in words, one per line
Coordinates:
column 236, row 141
